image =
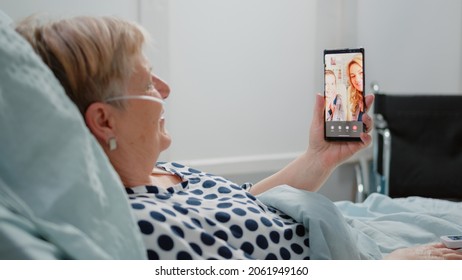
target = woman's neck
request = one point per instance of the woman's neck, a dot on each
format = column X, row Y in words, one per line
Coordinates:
column 164, row 179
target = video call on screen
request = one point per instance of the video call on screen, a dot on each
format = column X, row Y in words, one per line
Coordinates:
column 337, row 80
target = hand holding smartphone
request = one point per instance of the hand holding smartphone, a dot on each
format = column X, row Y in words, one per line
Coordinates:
column 344, row 84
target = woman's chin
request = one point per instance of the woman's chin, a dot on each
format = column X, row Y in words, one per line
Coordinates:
column 166, row 141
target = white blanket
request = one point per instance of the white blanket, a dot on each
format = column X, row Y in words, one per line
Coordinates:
column 368, row 230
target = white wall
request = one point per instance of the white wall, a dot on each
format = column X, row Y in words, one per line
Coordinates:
column 18, row 9
column 412, row 45
column 241, row 74
column 244, row 73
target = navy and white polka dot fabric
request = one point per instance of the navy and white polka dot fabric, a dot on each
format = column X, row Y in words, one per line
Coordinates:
column 209, row 217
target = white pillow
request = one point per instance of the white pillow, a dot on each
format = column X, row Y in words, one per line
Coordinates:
column 54, row 166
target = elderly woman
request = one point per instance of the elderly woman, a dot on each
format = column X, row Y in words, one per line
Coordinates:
column 182, row 213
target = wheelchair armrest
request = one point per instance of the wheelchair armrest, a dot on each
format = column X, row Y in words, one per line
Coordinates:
column 382, row 156
column 362, row 161
column 362, row 179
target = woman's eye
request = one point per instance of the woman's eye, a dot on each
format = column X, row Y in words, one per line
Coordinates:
column 150, row 88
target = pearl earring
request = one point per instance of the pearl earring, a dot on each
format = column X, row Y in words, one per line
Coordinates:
column 112, row 142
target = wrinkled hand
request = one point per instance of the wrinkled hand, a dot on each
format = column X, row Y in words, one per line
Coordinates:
column 435, row 251
column 333, row 153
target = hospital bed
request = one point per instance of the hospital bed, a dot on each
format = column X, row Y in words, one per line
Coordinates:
column 60, row 198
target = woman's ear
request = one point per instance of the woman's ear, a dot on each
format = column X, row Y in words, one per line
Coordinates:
column 100, row 120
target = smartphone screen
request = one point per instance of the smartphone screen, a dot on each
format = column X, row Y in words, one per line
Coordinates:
column 344, row 83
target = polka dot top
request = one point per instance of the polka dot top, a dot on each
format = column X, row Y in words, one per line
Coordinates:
column 209, row 217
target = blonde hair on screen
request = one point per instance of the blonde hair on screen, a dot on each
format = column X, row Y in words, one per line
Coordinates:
column 92, row 57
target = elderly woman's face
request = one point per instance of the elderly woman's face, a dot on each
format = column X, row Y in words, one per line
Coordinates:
column 142, row 120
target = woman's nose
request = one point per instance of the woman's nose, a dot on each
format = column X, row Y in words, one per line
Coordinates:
column 161, row 87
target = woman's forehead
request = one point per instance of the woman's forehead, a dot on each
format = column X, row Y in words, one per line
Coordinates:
column 355, row 67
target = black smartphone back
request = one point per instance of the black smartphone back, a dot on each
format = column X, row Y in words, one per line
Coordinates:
column 344, row 85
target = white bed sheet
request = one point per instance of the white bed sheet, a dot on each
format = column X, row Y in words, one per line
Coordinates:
column 368, row 230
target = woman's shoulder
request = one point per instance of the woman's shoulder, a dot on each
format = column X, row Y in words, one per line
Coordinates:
column 178, row 167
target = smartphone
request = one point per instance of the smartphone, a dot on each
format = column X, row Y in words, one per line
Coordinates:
column 344, row 84
column 452, row 241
